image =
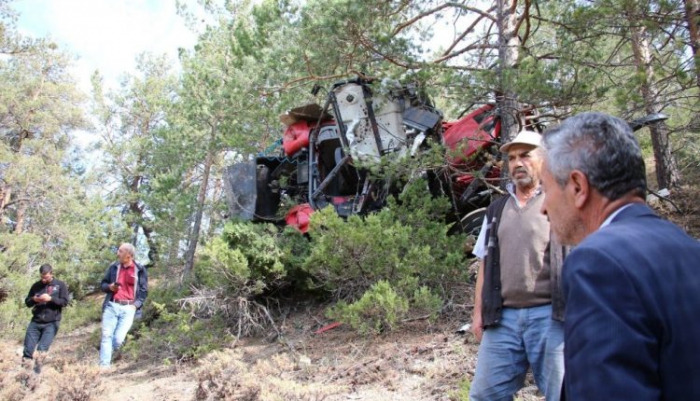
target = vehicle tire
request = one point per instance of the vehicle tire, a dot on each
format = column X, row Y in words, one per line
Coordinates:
column 267, row 202
column 471, row 226
column 472, row 221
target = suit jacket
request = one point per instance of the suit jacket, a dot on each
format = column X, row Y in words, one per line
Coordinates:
column 633, row 312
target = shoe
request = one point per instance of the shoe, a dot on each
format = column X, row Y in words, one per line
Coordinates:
column 39, row 360
column 27, row 363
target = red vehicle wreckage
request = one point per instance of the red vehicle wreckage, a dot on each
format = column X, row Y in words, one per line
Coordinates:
column 319, row 160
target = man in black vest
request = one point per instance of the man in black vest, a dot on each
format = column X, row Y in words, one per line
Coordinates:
column 513, row 305
column 47, row 297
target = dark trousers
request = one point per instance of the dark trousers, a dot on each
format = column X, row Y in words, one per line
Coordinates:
column 41, row 333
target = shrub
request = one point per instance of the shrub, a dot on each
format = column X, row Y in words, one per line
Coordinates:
column 379, row 310
column 295, row 249
column 246, row 259
column 425, row 303
column 396, row 243
column 77, row 381
column 176, row 337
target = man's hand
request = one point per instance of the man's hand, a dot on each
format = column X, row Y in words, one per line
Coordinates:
column 43, row 298
column 114, row 287
column 477, row 326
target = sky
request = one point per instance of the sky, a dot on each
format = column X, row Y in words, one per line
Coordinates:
column 106, row 35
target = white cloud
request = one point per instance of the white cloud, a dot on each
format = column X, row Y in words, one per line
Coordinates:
column 107, row 35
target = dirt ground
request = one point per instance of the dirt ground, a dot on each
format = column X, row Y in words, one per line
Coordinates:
column 422, row 361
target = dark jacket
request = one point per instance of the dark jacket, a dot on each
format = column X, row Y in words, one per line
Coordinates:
column 50, row 311
column 141, row 290
column 491, row 298
column 632, row 311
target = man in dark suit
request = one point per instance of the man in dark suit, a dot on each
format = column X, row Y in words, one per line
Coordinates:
column 632, row 282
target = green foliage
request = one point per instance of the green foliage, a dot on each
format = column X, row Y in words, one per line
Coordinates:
column 380, row 309
column 245, row 260
column 14, row 315
column 169, row 334
column 176, row 336
column 462, row 392
column 165, row 294
column 80, row 313
column 295, row 249
column 407, row 239
column 395, row 263
column 425, row 301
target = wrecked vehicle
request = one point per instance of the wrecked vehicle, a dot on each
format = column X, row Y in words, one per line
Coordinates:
column 322, row 157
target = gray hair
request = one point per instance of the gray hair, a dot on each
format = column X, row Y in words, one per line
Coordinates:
column 603, row 148
column 129, row 248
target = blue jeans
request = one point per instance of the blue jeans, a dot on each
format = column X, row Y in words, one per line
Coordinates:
column 41, row 333
column 506, row 351
column 116, row 322
column 554, row 361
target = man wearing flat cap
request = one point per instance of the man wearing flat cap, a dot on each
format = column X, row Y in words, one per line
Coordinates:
column 517, row 293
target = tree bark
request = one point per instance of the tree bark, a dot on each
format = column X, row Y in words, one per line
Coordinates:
column 201, row 197
column 508, row 52
column 5, row 194
column 153, row 254
column 215, row 218
column 21, row 213
column 692, row 19
column 667, row 173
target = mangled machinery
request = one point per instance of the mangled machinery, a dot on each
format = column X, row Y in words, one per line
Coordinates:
column 319, row 160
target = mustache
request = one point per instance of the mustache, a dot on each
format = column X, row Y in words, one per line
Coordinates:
column 520, row 170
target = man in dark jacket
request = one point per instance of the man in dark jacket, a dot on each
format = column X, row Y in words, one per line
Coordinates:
column 126, row 286
column 47, row 297
column 632, row 282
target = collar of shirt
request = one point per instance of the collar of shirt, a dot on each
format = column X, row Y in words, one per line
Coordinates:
column 510, row 187
column 613, row 215
column 129, row 266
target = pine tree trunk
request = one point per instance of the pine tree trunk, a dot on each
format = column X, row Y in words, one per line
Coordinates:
column 201, row 198
column 667, row 173
column 508, row 51
column 5, row 194
column 21, row 212
column 692, row 19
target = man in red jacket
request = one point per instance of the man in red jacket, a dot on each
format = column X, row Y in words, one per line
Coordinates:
column 125, row 285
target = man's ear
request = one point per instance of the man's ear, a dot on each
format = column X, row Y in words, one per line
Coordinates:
column 580, row 190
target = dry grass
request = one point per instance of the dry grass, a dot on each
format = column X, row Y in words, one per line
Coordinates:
column 61, row 379
column 226, row 376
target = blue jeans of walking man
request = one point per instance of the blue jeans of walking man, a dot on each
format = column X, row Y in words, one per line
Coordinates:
column 508, row 349
column 116, row 322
